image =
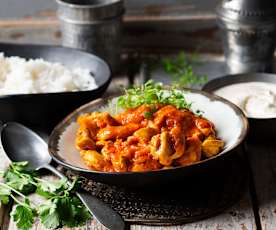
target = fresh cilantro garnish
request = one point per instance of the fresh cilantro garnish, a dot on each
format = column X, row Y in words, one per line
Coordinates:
column 48, row 189
column 49, row 215
column 52, row 186
column 19, row 166
column 63, row 210
column 23, row 215
column 19, row 178
column 5, row 192
column 180, row 69
column 152, row 93
column 62, row 207
column 148, row 114
column 80, row 212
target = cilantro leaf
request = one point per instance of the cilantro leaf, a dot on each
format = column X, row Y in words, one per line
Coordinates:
column 49, row 216
column 52, row 186
column 22, row 183
column 180, row 69
column 4, row 199
column 19, row 178
column 74, row 185
column 23, row 215
column 80, row 212
column 65, row 211
column 43, row 193
column 10, row 176
column 19, row 166
column 152, row 93
column 62, row 207
column 4, row 194
column 148, row 114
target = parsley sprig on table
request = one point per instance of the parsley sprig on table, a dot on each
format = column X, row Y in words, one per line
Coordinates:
column 180, row 69
column 152, row 93
column 61, row 207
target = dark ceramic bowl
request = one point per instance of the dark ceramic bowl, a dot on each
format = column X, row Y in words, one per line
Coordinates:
column 260, row 128
column 233, row 132
column 45, row 110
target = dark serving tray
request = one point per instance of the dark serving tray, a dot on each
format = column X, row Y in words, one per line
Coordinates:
column 195, row 199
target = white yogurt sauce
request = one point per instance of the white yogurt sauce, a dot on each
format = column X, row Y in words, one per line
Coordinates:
column 256, row 99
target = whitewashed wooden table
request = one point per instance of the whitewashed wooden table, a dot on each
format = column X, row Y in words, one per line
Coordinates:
column 255, row 210
column 174, row 31
column 240, row 216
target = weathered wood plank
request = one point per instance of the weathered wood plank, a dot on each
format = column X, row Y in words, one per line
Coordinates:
column 263, row 160
column 239, row 217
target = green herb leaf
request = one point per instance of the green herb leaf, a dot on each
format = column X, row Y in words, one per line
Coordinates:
column 50, row 189
column 65, row 211
column 4, row 199
column 48, row 215
column 19, row 166
column 52, row 186
column 62, row 207
column 4, row 194
column 80, row 212
column 152, row 93
column 19, row 178
column 23, row 215
column 74, row 185
column 20, row 182
column 72, row 212
column 180, row 69
column 44, row 194
column 148, row 114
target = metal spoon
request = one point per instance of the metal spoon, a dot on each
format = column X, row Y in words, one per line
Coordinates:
column 22, row 144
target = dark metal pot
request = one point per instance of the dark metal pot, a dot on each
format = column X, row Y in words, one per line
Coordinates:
column 248, row 34
column 94, row 26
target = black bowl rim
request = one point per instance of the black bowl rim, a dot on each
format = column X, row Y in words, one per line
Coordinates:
column 66, row 121
column 103, row 85
column 211, row 85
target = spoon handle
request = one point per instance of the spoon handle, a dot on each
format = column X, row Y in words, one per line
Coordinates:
column 56, row 172
column 100, row 210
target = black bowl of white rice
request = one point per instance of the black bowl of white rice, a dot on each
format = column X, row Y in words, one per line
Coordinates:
column 40, row 84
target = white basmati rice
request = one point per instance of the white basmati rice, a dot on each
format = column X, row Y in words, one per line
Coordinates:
column 21, row 76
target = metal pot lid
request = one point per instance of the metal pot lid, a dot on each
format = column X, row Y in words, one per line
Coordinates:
column 256, row 12
column 87, row 11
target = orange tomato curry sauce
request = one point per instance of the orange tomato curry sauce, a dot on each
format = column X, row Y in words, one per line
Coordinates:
column 149, row 137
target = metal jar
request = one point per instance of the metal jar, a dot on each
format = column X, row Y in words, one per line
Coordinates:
column 94, row 26
column 248, row 33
